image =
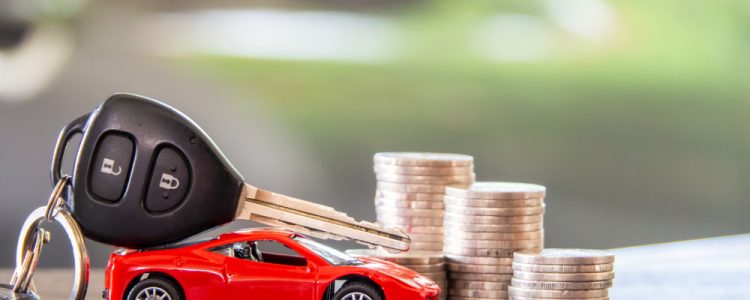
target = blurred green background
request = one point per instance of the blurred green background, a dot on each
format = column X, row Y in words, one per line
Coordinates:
column 632, row 113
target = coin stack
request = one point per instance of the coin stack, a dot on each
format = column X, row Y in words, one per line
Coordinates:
column 428, row 263
column 562, row 274
column 410, row 192
column 484, row 225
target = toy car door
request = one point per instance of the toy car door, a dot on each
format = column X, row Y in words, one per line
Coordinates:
column 268, row 269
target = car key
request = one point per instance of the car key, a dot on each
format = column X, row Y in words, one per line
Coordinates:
column 146, row 175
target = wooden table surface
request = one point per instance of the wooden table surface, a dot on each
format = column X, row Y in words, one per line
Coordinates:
column 715, row 268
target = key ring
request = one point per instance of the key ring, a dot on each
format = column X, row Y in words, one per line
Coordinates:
column 56, row 212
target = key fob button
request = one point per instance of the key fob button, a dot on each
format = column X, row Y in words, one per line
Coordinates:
column 169, row 182
column 111, row 167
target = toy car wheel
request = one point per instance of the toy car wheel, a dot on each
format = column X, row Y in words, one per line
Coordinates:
column 154, row 289
column 358, row 291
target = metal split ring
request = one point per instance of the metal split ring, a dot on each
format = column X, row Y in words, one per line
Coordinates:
column 31, row 234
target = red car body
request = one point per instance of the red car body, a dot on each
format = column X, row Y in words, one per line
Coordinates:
column 203, row 273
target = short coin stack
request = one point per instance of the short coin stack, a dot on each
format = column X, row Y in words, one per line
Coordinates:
column 484, row 225
column 562, row 274
column 410, row 192
column 429, row 263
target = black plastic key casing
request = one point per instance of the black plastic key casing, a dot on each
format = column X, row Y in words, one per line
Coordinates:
column 176, row 180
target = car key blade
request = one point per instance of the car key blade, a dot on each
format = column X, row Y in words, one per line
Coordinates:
column 314, row 219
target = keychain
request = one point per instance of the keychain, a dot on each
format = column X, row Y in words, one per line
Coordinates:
column 30, row 241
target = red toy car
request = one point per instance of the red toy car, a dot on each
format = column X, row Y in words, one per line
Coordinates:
column 259, row 264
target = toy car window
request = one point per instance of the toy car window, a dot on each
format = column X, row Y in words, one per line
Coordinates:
column 265, row 251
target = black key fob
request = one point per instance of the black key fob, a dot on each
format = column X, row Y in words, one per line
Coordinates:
column 145, row 174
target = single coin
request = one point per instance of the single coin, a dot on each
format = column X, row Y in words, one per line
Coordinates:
column 453, row 226
column 414, row 212
column 515, row 291
column 447, row 179
column 426, row 246
column 498, row 190
column 492, row 294
column 459, row 218
column 399, row 220
column 488, row 252
column 500, row 212
column 599, row 276
column 462, row 235
column 408, row 196
column 414, row 187
column 558, row 285
column 427, row 268
column 483, row 244
column 563, row 268
column 478, row 285
column 470, row 268
column 424, row 171
column 395, row 203
column 480, row 276
column 554, row 256
column 492, row 203
column 423, row 159
column 478, row 260
column 454, row 297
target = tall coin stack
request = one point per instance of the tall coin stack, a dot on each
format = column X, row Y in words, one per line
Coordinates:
column 431, row 264
column 562, row 274
column 410, row 192
column 484, row 225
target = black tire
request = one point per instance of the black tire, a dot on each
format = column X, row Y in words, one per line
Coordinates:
column 157, row 285
column 349, row 289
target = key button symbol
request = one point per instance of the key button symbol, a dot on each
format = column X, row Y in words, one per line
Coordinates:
column 169, row 181
column 108, row 166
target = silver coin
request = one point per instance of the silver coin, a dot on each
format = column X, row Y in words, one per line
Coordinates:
column 463, row 235
column 492, row 294
column 480, row 276
column 563, row 268
column 428, row 213
column 448, row 179
column 406, row 204
column 424, row 171
column 490, row 203
column 493, row 227
column 487, row 252
column 474, row 260
column 414, row 187
column 454, row 297
column 483, row 244
column 423, row 159
column 459, row 218
column 470, row 268
column 498, row 190
column 408, row 196
column 561, row 285
column 515, row 291
column 399, row 220
column 479, row 285
column 554, row 256
column 427, row 268
column 437, row 276
column 410, row 257
column 569, row 277
column 500, row 212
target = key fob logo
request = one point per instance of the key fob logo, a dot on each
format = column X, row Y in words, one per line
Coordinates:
column 169, row 182
column 108, row 167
